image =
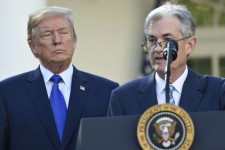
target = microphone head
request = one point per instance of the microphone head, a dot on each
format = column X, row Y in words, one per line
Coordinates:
column 172, row 45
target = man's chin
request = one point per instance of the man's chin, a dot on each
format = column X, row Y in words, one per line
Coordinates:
column 159, row 68
column 60, row 61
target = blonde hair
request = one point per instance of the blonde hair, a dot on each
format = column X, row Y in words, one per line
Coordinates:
column 36, row 17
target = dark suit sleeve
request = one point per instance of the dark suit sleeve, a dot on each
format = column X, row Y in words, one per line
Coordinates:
column 223, row 95
column 115, row 108
column 3, row 125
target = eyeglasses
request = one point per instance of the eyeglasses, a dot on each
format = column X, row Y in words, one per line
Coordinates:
column 152, row 43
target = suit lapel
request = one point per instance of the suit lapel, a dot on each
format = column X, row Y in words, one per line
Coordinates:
column 191, row 93
column 77, row 101
column 147, row 91
column 36, row 89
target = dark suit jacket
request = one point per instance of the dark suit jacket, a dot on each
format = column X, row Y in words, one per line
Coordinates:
column 26, row 118
column 199, row 93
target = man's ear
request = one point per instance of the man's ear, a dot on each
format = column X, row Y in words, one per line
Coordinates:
column 190, row 45
column 33, row 48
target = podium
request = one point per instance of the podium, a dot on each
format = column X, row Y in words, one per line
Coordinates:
column 120, row 133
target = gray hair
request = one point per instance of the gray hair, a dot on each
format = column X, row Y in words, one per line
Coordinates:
column 188, row 24
column 36, row 17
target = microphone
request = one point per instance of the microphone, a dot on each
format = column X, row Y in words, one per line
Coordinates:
column 172, row 46
column 169, row 54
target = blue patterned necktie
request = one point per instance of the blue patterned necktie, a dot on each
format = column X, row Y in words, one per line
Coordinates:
column 58, row 105
column 171, row 94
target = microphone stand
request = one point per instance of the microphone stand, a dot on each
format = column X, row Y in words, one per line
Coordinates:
column 167, row 72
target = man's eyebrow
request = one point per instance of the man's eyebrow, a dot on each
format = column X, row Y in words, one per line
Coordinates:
column 163, row 35
column 151, row 36
column 167, row 34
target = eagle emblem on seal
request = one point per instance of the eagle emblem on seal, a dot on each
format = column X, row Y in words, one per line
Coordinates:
column 165, row 132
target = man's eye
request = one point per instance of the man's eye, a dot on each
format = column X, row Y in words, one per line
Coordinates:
column 167, row 39
column 63, row 32
column 151, row 40
column 46, row 35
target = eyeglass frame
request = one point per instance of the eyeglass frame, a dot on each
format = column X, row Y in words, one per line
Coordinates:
column 146, row 49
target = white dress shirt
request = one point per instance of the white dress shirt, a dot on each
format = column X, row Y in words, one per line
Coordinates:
column 65, row 86
column 178, row 86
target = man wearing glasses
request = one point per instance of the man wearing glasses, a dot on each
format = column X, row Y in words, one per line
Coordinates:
column 191, row 91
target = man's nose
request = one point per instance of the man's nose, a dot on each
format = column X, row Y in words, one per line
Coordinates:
column 56, row 38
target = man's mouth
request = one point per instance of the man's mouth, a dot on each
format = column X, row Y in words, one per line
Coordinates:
column 158, row 58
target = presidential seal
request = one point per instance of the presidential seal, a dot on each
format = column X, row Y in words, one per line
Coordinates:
column 165, row 127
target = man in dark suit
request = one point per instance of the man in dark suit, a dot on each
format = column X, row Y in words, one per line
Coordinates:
column 190, row 91
column 28, row 117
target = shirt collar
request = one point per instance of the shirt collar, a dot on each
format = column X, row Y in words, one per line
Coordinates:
column 178, row 84
column 160, row 83
column 65, row 75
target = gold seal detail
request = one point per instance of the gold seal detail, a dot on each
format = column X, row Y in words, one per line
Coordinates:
column 165, row 127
